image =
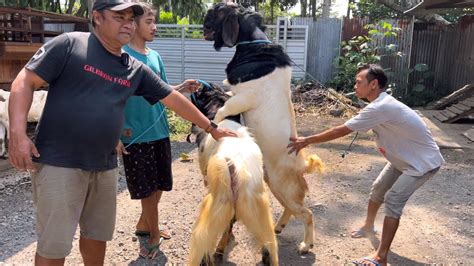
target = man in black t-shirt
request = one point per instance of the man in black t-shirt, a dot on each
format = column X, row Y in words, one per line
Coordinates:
column 90, row 79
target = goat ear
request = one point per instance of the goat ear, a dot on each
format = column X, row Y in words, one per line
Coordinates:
column 230, row 30
column 191, row 138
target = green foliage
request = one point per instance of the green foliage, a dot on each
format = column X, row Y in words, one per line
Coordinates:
column 376, row 11
column 454, row 14
column 265, row 10
column 178, row 126
column 166, row 18
column 417, row 94
column 362, row 50
column 373, row 10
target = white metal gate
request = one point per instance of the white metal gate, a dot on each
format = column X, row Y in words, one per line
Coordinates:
column 188, row 56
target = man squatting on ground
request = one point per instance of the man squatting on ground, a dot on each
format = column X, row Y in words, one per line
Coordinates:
column 402, row 138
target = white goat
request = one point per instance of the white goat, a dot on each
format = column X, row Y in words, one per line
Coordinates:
column 233, row 171
column 34, row 115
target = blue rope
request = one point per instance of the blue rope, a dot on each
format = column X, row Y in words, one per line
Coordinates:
column 254, row 42
column 204, row 83
column 148, row 129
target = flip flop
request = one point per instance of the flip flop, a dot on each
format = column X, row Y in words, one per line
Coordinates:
column 165, row 234
column 148, row 251
column 366, row 261
column 359, row 233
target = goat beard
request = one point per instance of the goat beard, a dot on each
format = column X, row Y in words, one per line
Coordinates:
column 209, row 35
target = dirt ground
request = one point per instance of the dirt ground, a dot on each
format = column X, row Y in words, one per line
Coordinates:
column 436, row 227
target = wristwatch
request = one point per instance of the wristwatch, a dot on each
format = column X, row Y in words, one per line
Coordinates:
column 211, row 127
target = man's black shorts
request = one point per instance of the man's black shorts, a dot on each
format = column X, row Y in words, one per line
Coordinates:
column 148, row 168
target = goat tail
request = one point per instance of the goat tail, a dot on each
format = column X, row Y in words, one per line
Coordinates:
column 314, row 164
column 216, row 212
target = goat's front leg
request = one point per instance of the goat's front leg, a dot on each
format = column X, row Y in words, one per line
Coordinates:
column 237, row 104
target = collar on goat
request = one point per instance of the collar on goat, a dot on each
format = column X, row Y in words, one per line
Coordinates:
column 204, row 85
column 254, row 42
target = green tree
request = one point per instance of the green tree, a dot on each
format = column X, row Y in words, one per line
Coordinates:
column 372, row 10
column 362, row 50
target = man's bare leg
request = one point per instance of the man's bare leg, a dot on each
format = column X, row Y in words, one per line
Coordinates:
column 42, row 261
column 368, row 227
column 92, row 251
column 390, row 226
column 150, row 215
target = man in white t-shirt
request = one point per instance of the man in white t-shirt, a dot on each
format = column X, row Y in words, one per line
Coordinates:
column 405, row 141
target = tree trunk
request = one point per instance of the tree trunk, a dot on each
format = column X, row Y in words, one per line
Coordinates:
column 313, row 8
column 70, row 6
column 349, row 8
column 326, row 8
column 272, row 2
column 304, row 8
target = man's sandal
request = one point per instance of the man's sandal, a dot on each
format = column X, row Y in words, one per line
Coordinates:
column 166, row 234
column 150, row 251
column 366, row 261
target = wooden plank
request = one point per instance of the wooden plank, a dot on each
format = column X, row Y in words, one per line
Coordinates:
column 466, row 114
column 469, row 134
column 41, row 13
column 18, row 51
column 453, row 109
column 448, row 113
column 467, row 90
column 468, row 103
column 45, row 32
column 462, row 107
column 440, row 117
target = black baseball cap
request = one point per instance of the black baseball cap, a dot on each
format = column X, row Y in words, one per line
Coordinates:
column 118, row 5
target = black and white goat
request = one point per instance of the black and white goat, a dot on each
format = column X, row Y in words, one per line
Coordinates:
column 233, row 170
column 259, row 75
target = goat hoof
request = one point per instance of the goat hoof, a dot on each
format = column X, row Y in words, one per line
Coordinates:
column 266, row 257
column 303, row 248
column 279, row 228
column 206, row 261
column 218, row 256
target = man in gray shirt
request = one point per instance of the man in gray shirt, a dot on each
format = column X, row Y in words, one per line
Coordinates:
column 74, row 179
column 402, row 138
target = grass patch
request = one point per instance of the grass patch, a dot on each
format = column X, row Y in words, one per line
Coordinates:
column 179, row 127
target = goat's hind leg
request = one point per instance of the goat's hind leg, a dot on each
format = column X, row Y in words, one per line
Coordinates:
column 259, row 222
column 211, row 223
column 292, row 198
column 283, row 221
column 306, row 217
column 225, row 239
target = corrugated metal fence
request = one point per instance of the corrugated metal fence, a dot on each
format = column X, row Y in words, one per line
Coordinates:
column 397, row 64
column 449, row 53
column 446, row 50
column 188, row 56
column 313, row 45
column 323, row 47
